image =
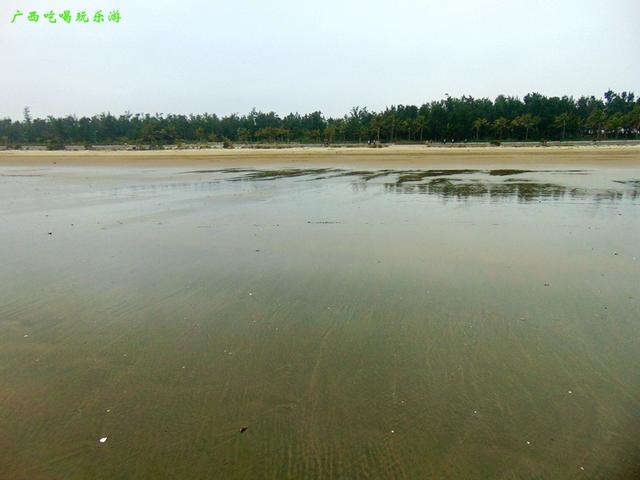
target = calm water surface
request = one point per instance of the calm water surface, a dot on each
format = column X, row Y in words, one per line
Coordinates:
column 321, row 323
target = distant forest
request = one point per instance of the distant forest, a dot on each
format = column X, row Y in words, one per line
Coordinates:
column 533, row 118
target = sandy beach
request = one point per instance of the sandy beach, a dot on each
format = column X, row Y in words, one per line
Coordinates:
column 391, row 157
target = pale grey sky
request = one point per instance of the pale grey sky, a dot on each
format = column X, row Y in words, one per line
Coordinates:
column 295, row 55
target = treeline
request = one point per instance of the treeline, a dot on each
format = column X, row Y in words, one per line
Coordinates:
column 535, row 117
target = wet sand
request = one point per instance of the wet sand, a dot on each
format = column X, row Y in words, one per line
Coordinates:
column 320, row 315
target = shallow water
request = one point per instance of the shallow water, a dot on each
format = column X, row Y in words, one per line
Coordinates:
column 321, row 323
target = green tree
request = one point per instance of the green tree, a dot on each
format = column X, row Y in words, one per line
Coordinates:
column 596, row 122
column 615, row 123
column 363, row 132
column 244, row 134
column 479, row 124
column 458, row 118
column 526, row 121
column 329, row 133
column 560, row 122
column 632, row 119
column 26, row 113
column 420, row 124
column 500, row 125
column 376, row 126
column 315, row 135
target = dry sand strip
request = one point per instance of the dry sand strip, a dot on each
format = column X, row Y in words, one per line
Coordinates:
column 391, row 157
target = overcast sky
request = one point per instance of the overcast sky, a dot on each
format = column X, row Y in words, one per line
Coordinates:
column 224, row 56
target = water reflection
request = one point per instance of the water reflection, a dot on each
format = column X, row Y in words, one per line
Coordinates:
column 527, row 191
column 454, row 184
column 522, row 185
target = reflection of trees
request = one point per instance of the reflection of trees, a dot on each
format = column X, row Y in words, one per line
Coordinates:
column 444, row 183
column 525, row 191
